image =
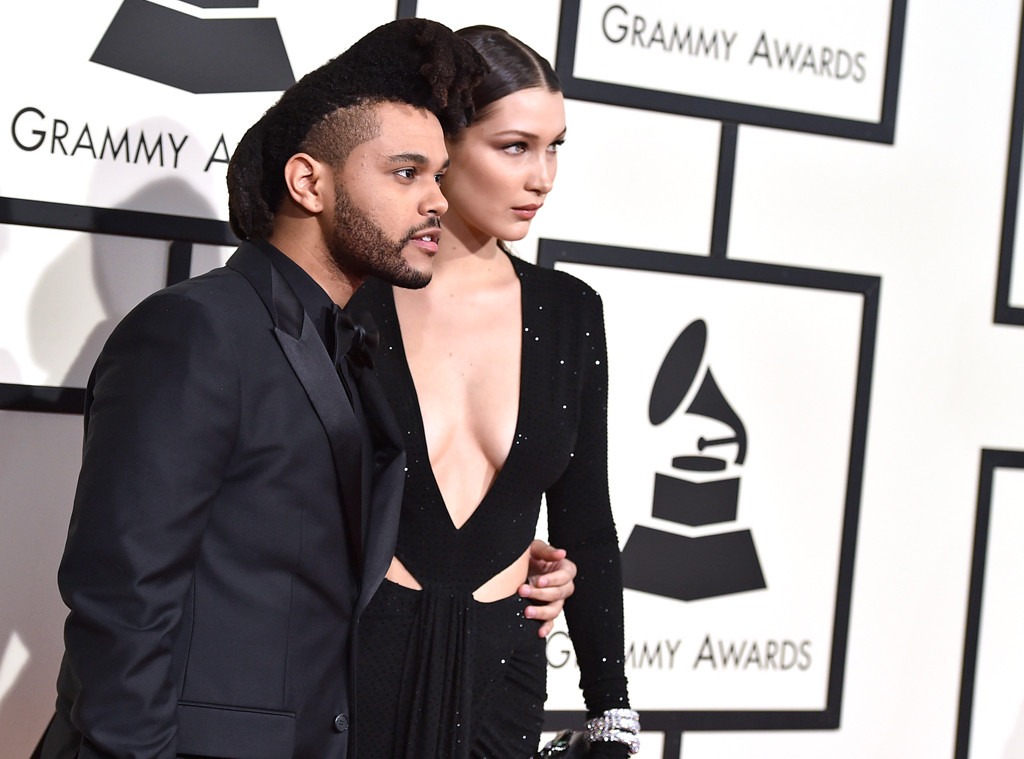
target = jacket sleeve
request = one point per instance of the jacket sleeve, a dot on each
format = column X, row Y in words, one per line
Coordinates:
column 580, row 520
column 161, row 420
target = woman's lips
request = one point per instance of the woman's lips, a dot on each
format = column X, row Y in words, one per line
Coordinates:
column 526, row 212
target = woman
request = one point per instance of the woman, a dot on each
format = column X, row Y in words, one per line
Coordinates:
column 497, row 373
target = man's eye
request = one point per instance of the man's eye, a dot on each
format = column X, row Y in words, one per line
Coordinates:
column 406, row 173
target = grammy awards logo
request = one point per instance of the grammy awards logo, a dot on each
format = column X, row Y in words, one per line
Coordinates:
column 199, row 55
column 714, row 563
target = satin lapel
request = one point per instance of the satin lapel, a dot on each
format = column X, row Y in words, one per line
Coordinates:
column 384, row 471
column 309, row 360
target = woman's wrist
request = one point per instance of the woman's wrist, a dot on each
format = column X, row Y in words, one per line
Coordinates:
column 616, row 726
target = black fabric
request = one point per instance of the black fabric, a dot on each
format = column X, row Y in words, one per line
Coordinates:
column 351, row 345
column 312, row 298
column 559, row 449
column 500, row 663
column 355, row 339
column 211, row 588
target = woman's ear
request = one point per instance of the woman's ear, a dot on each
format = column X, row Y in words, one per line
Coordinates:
column 303, row 176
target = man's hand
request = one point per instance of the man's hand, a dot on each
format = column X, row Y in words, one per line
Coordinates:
column 550, row 582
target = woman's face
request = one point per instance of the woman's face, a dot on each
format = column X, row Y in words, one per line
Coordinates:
column 503, row 166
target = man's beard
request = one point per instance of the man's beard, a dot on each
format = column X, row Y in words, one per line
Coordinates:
column 361, row 248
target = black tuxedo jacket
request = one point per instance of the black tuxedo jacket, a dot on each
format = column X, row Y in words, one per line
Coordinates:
column 214, row 598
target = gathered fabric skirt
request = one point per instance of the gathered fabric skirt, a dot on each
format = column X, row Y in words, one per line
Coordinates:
column 442, row 675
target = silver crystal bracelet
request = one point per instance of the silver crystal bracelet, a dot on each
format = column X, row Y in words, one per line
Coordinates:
column 616, row 725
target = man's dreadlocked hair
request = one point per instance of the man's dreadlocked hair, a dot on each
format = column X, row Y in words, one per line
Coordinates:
column 412, row 61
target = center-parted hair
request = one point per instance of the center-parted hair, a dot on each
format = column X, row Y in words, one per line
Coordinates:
column 512, row 66
column 412, row 61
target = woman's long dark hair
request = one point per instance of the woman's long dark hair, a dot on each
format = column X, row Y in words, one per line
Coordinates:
column 514, row 66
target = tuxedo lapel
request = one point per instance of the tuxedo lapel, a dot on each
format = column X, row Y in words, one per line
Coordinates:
column 313, row 367
column 384, row 473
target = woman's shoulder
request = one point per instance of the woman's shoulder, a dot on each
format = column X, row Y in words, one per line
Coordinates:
column 554, row 283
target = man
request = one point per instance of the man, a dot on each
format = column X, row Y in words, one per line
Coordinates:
column 241, row 477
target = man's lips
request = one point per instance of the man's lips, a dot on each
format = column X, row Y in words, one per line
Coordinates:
column 426, row 239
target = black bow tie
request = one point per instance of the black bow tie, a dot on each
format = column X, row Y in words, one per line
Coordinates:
column 357, row 338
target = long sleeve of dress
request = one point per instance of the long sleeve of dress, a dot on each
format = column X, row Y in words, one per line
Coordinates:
column 580, row 520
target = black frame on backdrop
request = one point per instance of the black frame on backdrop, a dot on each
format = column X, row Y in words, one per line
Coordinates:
column 729, row 111
column 723, row 110
column 181, row 233
column 1005, row 312
column 673, row 723
column 991, row 460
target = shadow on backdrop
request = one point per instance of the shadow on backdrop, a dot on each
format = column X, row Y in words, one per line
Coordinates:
column 96, row 275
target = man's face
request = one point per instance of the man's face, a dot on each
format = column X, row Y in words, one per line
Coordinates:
column 387, row 206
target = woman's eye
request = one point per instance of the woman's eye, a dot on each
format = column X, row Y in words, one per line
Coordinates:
column 554, row 146
column 515, row 148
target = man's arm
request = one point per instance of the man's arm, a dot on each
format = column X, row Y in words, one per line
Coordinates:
column 550, row 582
column 161, row 424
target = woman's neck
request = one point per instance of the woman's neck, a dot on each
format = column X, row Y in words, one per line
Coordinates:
column 462, row 253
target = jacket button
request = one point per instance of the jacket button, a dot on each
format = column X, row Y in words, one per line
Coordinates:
column 341, row 723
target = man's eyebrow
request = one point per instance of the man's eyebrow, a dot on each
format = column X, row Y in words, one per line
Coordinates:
column 416, row 158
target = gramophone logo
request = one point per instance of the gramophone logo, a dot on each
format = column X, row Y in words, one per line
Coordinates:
column 199, row 55
column 699, row 495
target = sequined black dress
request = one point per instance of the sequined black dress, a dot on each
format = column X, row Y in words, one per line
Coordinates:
column 440, row 674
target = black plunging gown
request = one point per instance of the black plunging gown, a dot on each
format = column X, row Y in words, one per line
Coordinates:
column 440, row 674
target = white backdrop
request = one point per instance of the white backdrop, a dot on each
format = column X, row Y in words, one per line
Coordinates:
column 922, row 216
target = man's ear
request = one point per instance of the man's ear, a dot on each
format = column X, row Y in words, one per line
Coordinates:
column 304, row 178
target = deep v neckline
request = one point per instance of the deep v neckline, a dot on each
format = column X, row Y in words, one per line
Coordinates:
column 410, row 385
